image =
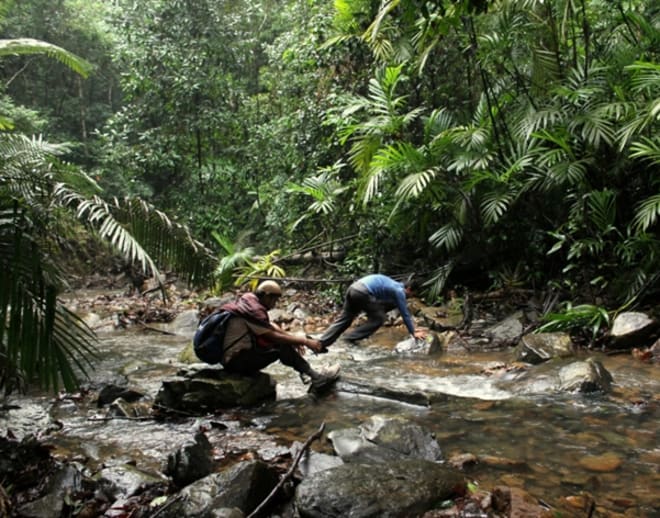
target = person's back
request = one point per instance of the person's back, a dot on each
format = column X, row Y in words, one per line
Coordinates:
column 383, row 287
column 375, row 294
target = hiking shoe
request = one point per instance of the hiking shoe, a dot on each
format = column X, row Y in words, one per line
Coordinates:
column 324, row 381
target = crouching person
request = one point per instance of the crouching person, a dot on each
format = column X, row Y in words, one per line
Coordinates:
column 252, row 341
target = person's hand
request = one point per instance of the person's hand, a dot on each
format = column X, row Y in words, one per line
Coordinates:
column 314, row 345
column 420, row 334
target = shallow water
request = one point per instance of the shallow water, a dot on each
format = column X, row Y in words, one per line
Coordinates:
column 554, row 446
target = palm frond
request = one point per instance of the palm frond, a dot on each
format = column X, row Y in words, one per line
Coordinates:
column 448, row 236
column 646, row 149
column 647, row 213
column 374, row 29
column 602, row 209
column 495, row 205
column 646, row 77
column 29, row 46
column 438, row 280
column 261, row 266
column 414, row 184
column 145, row 235
column 41, row 339
column 593, row 128
column 584, row 316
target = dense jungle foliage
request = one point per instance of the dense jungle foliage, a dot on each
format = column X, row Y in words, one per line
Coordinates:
column 480, row 144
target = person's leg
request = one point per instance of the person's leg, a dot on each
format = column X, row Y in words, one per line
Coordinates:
column 376, row 314
column 321, row 381
column 250, row 361
column 292, row 358
column 356, row 301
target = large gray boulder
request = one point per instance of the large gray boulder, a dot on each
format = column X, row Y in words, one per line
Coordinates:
column 211, row 389
column 243, row 486
column 384, row 439
column 405, row 488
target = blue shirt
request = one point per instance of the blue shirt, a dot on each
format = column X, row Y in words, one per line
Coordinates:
column 390, row 292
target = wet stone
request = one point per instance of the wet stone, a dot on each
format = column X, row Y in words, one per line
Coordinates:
column 537, row 348
column 414, row 397
column 211, row 389
column 403, row 488
column 243, row 486
column 602, row 463
column 586, row 376
column 111, row 392
column 66, row 481
column 383, row 439
column 633, row 329
column 505, row 332
column 516, row 502
column 190, row 462
column 126, row 480
column 429, row 345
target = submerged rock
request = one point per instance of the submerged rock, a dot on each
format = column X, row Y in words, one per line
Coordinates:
column 559, row 376
column 515, row 501
column 358, row 386
column 111, row 392
column 604, row 463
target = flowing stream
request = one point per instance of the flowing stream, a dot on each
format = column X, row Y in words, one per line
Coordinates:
column 555, row 446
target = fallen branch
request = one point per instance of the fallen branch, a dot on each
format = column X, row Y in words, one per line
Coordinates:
column 289, row 473
column 147, row 327
column 118, row 417
column 315, row 247
column 303, row 280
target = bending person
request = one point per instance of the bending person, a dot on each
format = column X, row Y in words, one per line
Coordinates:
column 252, row 341
column 374, row 294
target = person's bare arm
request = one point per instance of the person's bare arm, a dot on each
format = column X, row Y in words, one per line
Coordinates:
column 278, row 336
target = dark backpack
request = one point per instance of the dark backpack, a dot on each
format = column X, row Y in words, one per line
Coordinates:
column 209, row 338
